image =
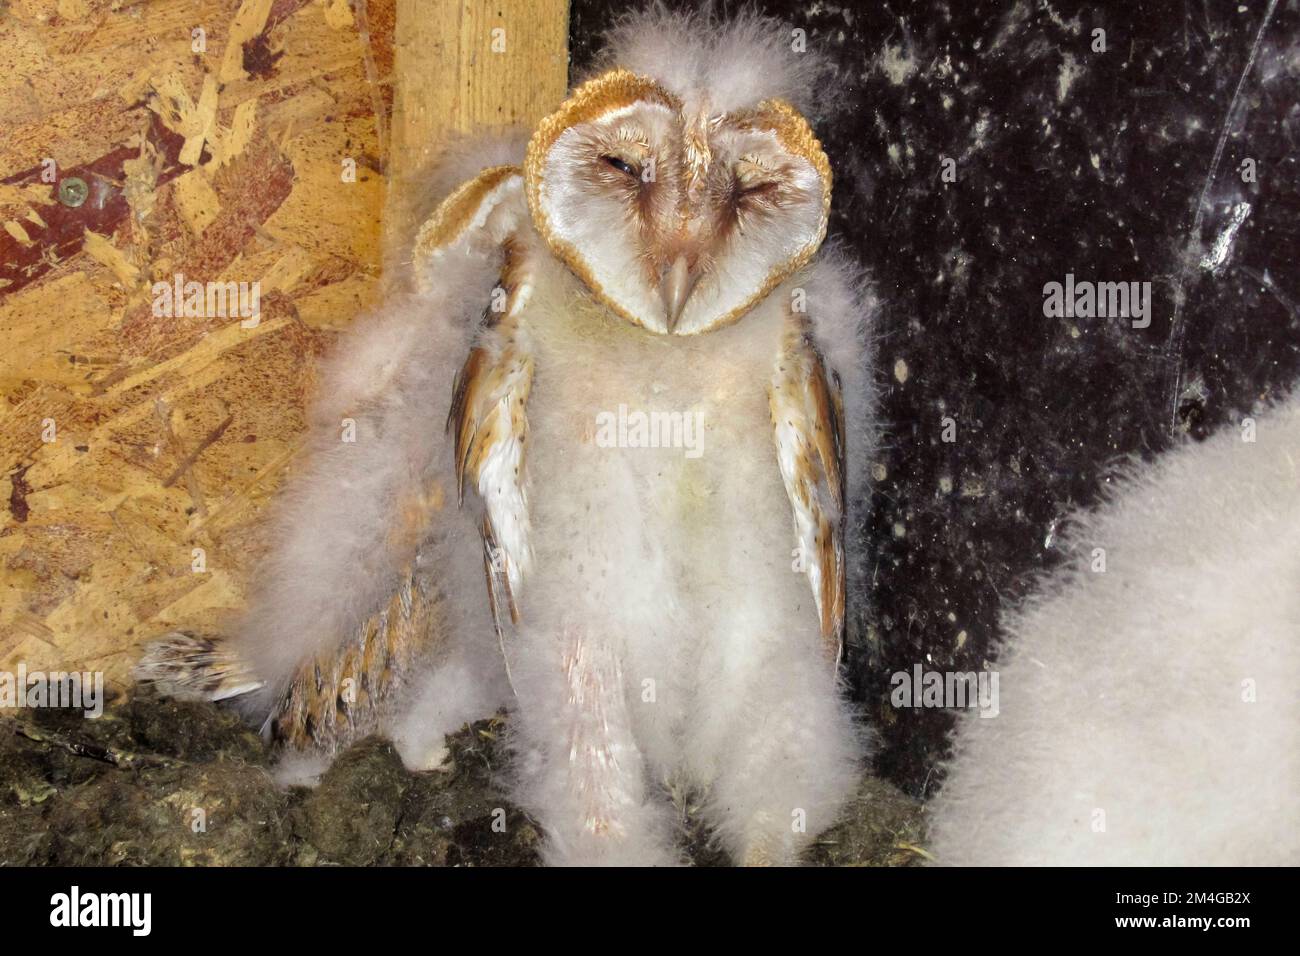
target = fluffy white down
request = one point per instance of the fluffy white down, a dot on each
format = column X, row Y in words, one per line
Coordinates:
column 331, row 563
column 1158, row 697
column 666, row 637
column 733, row 62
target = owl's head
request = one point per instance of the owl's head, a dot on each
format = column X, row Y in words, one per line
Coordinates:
column 682, row 185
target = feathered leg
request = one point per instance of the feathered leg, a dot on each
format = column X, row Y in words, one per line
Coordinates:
column 773, row 743
column 772, row 739
column 580, row 770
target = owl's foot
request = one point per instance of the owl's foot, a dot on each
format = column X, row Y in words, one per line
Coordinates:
column 583, row 775
column 778, row 760
column 426, row 759
column 770, row 841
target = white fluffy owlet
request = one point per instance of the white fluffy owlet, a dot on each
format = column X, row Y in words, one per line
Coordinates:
column 597, row 468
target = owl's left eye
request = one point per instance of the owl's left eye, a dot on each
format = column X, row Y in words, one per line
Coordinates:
column 754, row 180
column 622, row 165
column 756, row 189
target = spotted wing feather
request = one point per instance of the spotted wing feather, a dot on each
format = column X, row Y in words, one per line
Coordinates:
column 808, row 418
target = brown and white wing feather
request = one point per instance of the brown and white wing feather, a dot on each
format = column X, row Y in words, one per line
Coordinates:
column 192, row 666
column 337, row 696
column 489, row 420
column 808, row 418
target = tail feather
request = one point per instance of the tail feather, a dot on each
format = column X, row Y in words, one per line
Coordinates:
column 334, row 697
column 193, row 667
column 341, row 694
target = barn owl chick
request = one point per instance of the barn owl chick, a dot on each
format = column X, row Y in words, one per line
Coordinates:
column 1148, row 714
column 631, row 532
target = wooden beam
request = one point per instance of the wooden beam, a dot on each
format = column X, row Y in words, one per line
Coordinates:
column 466, row 66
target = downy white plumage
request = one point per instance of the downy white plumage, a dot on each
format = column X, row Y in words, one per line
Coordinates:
column 1148, row 711
column 660, row 603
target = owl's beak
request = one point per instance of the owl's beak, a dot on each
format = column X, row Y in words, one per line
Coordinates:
column 675, row 288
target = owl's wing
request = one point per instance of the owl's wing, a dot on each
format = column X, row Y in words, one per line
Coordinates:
column 488, row 419
column 338, row 695
column 808, row 418
column 476, row 223
column 348, row 599
column 480, row 216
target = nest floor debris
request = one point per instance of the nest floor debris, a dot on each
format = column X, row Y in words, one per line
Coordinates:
column 158, row 782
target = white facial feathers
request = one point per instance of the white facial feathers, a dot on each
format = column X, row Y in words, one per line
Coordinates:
column 680, row 182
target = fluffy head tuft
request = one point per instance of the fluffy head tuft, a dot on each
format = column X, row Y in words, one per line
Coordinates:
column 735, row 62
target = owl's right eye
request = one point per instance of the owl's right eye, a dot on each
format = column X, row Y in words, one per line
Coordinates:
column 622, row 165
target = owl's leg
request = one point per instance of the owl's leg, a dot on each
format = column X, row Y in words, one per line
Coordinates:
column 465, row 684
column 774, row 745
column 581, row 773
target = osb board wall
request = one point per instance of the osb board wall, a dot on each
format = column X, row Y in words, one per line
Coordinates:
column 138, row 451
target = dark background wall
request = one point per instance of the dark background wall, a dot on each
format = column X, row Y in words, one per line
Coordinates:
column 1123, row 165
